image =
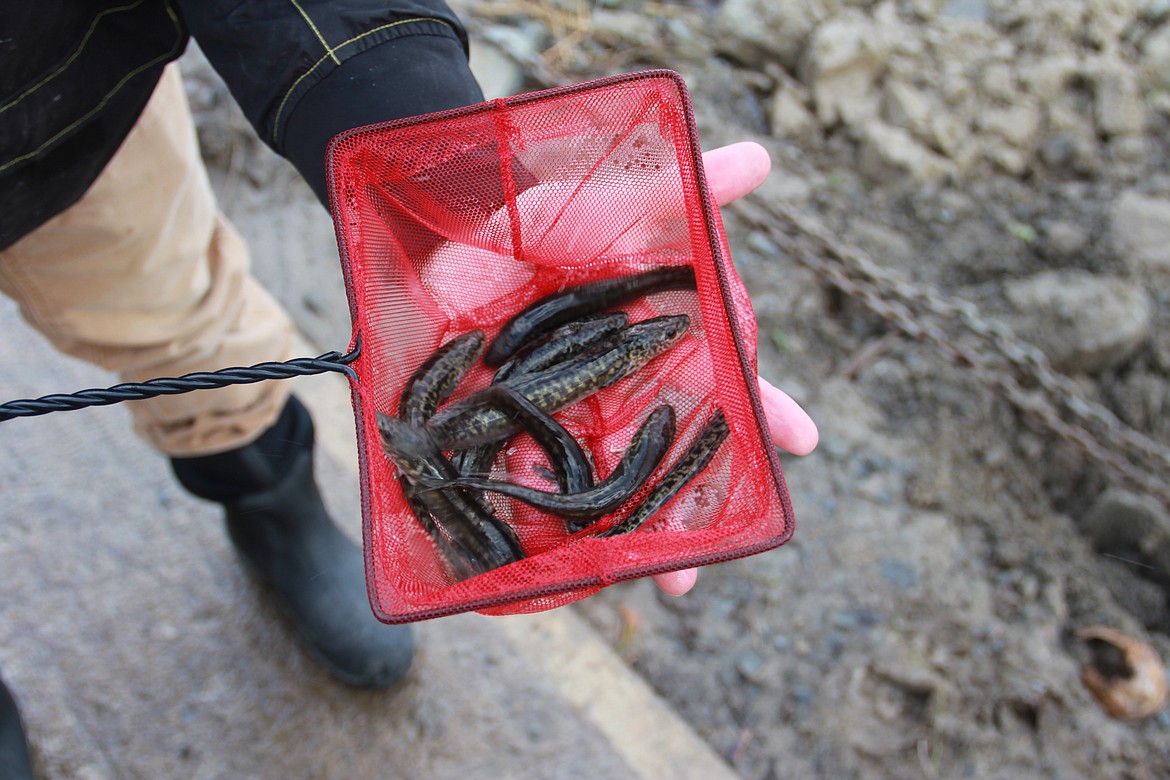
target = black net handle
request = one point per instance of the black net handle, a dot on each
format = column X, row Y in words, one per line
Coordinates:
column 132, row 391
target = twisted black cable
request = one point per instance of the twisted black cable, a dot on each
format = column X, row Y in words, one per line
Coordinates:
column 135, row 391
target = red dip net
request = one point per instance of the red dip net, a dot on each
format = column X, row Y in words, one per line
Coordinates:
column 468, row 236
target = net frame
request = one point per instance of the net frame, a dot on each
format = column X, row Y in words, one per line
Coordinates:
column 376, row 237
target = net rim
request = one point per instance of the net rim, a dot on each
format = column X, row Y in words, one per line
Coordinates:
column 720, row 259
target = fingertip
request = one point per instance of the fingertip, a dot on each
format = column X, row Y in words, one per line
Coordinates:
column 749, row 153
column 804, row 440
column 677, row 583
column 790, row 425
column 736, row 169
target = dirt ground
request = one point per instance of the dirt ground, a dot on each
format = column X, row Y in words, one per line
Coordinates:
column 922, row 622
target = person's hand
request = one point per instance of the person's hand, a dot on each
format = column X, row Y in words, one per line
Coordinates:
column 732, row 172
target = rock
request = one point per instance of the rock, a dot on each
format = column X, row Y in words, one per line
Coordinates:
column 1039, row 24
column 1006, row 158
column 789, row 116
column 895, row 34
column 842, row 64
column 520, row 44
column 967, row 10
column 749, row 663
column 1160, row 102
column 1065, row 239
column 1069, row 142
column 628, row 27
column 1018, row 124
column 1118, row 106
column 1122, row 522
column 497, row 73
column 728, row 94
column 889, row 153
column 755, row 31
column 784, row 186
column 898, row 573
column 846, row 97
column 1047, row 77
column 1059, row 151
column 1127, row 148
column 1131, row 526
column 909, row 108
column 951, row 136
column 1105, row 21
column 887, row 246
column 1156, row 11
column 906, row 668
column 925, row 10
column 1155, row 59
column 954, row 84
column 1141, row 230
column 689, row 40
column 1084, row 323
column 998, row 81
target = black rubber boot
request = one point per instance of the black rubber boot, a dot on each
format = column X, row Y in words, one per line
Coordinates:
column 15, row 763
column 284, row 536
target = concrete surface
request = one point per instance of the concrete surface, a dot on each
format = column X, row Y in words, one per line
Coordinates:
column 139, row 649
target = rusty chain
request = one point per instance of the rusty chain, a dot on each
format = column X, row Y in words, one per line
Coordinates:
column 1018, row 371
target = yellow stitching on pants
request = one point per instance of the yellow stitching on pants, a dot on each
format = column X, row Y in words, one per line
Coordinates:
column 106, row 99
column 76, row 53
column 313, row 27
column 343, row 44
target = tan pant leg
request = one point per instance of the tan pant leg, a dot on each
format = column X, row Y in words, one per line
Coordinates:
column 144, row 276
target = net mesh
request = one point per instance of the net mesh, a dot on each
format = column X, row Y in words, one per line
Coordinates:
column 456, row 221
